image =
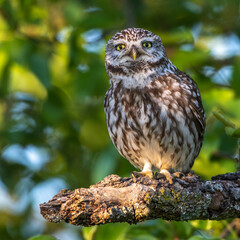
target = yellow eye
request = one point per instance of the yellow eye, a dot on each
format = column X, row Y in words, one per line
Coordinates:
column 120, row 47
column 147, row 44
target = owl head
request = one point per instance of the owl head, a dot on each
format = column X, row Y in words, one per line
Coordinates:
column 133, row 50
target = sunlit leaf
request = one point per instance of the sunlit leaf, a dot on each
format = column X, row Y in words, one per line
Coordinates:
column 23, row 80
column 42, row 237
column 89, row 232
column 3, row 61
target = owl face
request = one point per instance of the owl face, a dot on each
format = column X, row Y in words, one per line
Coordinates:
column 134, row 48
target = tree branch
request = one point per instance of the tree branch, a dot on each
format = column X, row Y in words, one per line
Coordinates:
column 134, row 200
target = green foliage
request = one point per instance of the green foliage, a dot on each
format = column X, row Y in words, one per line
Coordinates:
column 42, row 237
column 52, row 86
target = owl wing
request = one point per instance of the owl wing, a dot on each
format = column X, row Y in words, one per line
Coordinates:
column 194, row 102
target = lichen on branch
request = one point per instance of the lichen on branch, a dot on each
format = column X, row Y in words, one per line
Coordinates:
column 134, row 200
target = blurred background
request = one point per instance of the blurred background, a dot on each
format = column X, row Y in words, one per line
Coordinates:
column 52, row 85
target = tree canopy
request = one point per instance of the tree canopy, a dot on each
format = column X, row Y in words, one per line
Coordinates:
column 53, row 133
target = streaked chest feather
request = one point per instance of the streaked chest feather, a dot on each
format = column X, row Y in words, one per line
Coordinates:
column 150, row 125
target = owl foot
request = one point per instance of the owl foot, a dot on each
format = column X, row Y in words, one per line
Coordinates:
column 178, row 174
column 167, row 175
column 142, row 174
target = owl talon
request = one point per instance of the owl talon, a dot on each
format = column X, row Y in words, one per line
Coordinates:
column 178, row 174
column 169, row 178
column 159, row 175
column 135, row 174
column 167, row 175
column 142, row 174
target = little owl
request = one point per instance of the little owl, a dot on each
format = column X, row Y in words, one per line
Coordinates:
column 154, row 111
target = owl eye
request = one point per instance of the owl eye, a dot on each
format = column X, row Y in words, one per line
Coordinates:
column 120, row 47
column 147, row 44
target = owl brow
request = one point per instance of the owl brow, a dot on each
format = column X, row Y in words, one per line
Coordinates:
column 119, row 41
column 147, row 40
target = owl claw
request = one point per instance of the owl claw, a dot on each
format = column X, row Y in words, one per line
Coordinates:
column 167, row 175
column 142, row 174
column 178, row 174
column 164, row 173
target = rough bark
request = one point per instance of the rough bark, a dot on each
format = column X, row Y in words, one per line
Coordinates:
column 134, row 200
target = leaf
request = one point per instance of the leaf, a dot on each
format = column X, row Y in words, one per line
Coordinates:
column 232, row 132
column 229, row 131
column 42, row 237
column 144, row 237
column 89, row 232
column 183, row 59
column 183, row 229
column 40, row 67
column 203, row 238
column 152, row 229
column 21, row 79
column 115, row 231
column 54, row 108
column 223, row 119
column 236, row 133
column 94, row 134
column 235, row 78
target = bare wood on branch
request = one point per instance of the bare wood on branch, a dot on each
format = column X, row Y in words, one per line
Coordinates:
column 134, row 200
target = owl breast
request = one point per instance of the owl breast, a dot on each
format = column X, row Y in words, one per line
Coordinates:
column 155, row 123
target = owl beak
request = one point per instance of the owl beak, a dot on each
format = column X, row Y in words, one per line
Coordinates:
column 134, row 53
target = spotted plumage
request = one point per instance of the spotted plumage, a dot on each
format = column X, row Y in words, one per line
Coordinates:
column 154, row 112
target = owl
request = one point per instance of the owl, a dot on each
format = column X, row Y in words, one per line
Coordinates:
column 154, row 112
